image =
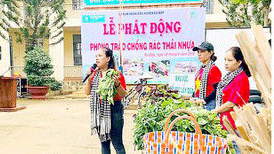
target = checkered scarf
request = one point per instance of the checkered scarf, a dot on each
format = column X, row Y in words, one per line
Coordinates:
column 203, row 84
column 226, row 80
column 100, row 112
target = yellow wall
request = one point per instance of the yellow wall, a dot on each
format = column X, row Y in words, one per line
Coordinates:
column 71, row 13
column 68, row 45
column 217, row 8
column 46, row 45
column 19, row 50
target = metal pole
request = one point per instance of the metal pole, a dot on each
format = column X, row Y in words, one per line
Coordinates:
column 121, row 36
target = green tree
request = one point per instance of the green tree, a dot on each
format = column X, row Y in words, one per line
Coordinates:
column 39, row 69
column 36, row 20
column 33, row 21
column 242, row 13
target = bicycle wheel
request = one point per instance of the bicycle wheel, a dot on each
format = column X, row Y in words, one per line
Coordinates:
column 130, row 97
column 125, row 102
column 140, row 99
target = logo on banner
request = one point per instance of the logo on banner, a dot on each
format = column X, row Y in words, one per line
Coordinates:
column 93, row 18
column 193, row 15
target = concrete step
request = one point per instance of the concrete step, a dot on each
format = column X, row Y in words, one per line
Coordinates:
column 80, row 94
column 77, row 96
column 133, row 105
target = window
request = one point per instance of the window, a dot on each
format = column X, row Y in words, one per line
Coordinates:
column 77, row 50
column 76, row 4
column 209, row 6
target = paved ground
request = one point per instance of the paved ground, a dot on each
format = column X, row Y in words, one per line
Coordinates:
column 54, row 127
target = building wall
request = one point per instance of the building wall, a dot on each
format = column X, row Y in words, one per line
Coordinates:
column 217, row 7
column 68, row 46
column 215, row 20
column 18, row 50
column 71, row 13
column 5, row 57
column 218, row 18
column 71, row 72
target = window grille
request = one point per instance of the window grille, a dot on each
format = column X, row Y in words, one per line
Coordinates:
column 76, row 4
column 77, row 50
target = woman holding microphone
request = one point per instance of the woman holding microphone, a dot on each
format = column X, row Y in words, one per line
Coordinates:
column 107, row 119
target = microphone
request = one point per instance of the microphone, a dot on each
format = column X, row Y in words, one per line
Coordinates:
column 91, row 69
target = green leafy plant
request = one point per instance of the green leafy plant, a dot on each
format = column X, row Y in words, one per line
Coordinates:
column 242, row 13
column 152, row 117
column 107, row 88
column 39, row 69
column 55, row 85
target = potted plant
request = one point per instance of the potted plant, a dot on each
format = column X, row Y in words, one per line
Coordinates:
column 39, row 69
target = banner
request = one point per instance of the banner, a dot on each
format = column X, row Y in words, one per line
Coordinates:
column 184, row 83
column 99, row 3
column 155, row 41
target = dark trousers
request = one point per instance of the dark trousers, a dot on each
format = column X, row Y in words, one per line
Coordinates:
column 116, row 133
column 210, row 105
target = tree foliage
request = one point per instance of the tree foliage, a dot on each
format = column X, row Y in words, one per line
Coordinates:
column 39, row 69
column 242, row 13
column 36, row 20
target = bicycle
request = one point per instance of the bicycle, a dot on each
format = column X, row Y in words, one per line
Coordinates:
column 139, row 89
